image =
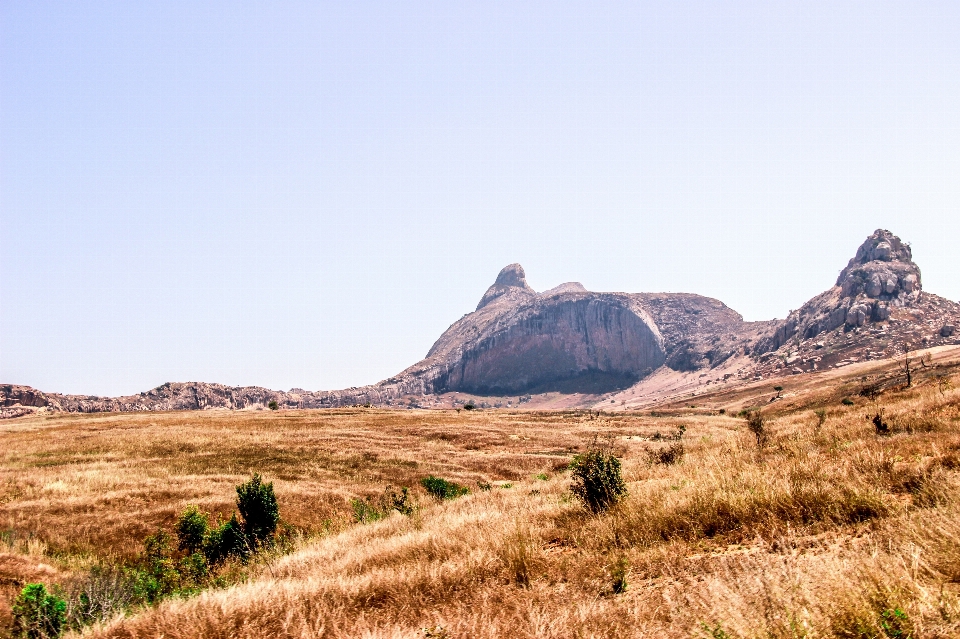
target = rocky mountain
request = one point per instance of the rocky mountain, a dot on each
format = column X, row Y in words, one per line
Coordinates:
column 571, row 340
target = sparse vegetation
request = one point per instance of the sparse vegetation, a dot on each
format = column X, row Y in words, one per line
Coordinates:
column 832, row 532
column 756, row 425
column 821, row 416
column 442, row 489
column 38, row 614
column 272, row 405
column 597, row 480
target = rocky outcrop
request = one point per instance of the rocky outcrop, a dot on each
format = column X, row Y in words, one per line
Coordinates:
column 569, row 339
column 881, row 277
column 882, row 270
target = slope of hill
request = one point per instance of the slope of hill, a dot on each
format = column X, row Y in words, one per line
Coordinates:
column 829, row 529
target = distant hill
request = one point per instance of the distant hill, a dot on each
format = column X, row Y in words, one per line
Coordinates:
column 572, row 341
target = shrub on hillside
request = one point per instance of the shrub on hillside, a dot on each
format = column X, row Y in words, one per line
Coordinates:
column 192, row 530
column 755, row 424
column 259, row 510
column 38, row 614
column 225, row 541
column 597, row 480
column 443, row 489
column 668, row 456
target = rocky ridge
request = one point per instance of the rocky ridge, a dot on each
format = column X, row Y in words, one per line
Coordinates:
column 571, row 340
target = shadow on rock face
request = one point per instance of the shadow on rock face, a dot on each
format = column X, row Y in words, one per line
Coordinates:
column 590, row 382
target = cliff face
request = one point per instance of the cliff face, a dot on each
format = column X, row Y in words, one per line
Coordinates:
column 565, row 341
column 569, row 339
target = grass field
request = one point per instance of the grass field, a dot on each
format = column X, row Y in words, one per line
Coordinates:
column 827, row 529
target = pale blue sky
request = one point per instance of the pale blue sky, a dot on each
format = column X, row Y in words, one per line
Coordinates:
column 308, row 194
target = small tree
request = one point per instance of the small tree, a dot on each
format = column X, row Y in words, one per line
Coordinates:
column 779, row 390
column 756, row 425
column 272, row 404
column 191, row 530
column 259, row 511
column 597, row 480
column 38, row 614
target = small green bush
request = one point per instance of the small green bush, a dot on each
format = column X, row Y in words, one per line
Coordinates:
column 846, row 401
column 38, row 614
column 225, row 541
column 443, row 489
column 259, row 510
column 192, row 529
column 365, row 512
column 272, row 405
column 597, row 480
column 618, row 575
column 160, row 577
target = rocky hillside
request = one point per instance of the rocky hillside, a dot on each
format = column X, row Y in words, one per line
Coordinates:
column 571, row 340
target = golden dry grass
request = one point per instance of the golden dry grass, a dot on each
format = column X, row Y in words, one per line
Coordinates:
column 830, row 531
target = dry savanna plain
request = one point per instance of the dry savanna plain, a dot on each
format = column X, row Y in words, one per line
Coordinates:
column 820, row 526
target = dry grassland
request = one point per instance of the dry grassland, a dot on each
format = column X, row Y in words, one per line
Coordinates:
column 828, row 531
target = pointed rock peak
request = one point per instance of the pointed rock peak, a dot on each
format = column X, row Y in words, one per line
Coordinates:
column 511, row 278
column 883, row 246
column 883, row 269
column 512, row 275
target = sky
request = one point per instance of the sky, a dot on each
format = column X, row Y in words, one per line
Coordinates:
column 307, row 194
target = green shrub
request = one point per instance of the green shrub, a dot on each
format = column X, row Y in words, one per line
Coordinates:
column 272, row 405
column 38, row 614
column 225, row 541
column 365, row 511
column 443, row 489
column 618, row 575
column 191, row 530
column 160, row 577
column 846, row 401
column 259, row 510
column 597, row 480
column 468, row 407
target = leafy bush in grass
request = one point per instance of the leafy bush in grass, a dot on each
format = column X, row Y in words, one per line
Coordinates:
column 597, row 480
column 442, row 488
column 225, row 541
column 38, row 614
column 192, row 530
column 259, row 510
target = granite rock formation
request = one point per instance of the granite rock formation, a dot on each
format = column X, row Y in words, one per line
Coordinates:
column 569, row 339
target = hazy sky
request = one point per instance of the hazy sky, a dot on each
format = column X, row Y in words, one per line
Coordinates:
column 307, row 194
